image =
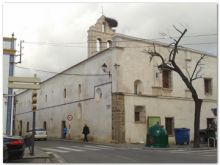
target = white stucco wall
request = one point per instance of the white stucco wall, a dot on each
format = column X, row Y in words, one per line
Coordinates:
column 96, row 114
column 132, row 65
column 135, row 65
column 180, row 109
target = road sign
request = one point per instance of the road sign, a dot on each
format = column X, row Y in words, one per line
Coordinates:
column 7, row 46
column 69, row 117
column 23, row 86
column 24, row 82
column 24, row 79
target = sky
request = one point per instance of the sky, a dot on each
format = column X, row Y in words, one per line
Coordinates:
column 55, row 34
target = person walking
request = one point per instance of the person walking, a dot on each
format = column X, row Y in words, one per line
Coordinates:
column 64, row 132
column 85, row 132
column 28, row 141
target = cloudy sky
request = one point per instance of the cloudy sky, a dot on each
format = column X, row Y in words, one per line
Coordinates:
column 55, row 34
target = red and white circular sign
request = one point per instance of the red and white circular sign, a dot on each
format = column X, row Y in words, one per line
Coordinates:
column 69, row 117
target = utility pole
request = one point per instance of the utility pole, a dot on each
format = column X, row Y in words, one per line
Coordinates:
column 20, row 54
column 10, row 90
column 34, row 107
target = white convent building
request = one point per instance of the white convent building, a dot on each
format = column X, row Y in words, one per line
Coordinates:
column 118, row 92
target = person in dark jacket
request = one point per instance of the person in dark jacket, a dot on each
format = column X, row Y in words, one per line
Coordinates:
column 85, row 132
column 28, row 141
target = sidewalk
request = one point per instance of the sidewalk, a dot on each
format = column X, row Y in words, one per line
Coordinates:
column 38, row 157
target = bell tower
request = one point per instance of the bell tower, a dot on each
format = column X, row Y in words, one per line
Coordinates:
column 100, row 35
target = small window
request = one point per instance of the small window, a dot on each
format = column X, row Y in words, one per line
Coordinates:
column 169, row 124
column 208, row 85
column 45, row 98
column 138, row 87
column 65, row 93
column 27, row 126
column 210, row 123
column 166, row 78
column 45, row 125
column 139, row 114
column 98, row 44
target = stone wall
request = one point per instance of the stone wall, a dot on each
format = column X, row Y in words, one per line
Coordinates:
column 118, row 118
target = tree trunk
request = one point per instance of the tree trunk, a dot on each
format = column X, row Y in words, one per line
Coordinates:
column 198, row 104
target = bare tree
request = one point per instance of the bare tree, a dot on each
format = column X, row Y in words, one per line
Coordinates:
column 170, row 64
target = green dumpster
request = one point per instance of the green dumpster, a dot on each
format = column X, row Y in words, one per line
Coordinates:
column 157, row 137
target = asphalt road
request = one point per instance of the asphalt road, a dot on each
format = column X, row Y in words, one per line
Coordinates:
column 69, row 152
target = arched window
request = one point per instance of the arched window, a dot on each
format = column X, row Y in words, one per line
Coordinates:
column 64, row 92
column 79, row 111
column 103, row 27
column 20, row 131
column 98, row 94
column 138, row 87
column 109, row 44
column 98, row 44
column 45, row 125
column 79, row 89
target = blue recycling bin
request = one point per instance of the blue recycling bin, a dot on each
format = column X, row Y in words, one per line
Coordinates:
column 182, row 135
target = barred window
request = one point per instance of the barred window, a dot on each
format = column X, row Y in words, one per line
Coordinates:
column 139, row 114
column 169, row 124
column 166, row 78
column 208, row 85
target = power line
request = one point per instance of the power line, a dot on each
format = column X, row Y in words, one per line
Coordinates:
column 73, row 44
column 200, row 43
column 60, row 73
column 189, row 36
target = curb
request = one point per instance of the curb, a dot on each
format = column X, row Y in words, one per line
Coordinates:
column 54, row 158
column 36, row 155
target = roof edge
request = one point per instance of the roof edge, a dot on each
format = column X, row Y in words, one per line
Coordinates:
column 160, row 43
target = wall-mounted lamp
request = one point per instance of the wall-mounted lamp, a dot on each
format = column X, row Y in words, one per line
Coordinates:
column 104, row 68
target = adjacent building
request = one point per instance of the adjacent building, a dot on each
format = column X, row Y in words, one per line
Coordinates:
column 8, row 69
column 118, row 92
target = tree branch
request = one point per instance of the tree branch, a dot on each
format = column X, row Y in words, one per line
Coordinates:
column 187, row 71
column 166, row 66
column 155, row 54
column 177, row 29
column 176, row 44
column 196, row 66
